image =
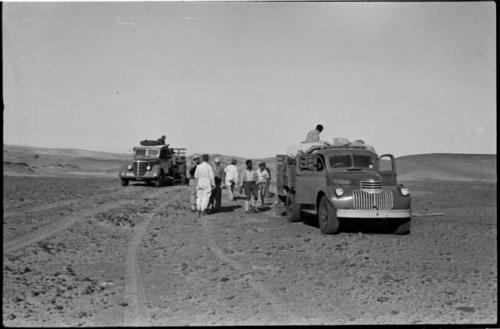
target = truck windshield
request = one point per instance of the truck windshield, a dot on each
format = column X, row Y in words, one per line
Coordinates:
column 350, row 161
column 139, row 152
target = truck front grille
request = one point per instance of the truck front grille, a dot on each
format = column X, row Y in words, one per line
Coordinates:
column 370, row 185
column 140, row 167
column 369, row 201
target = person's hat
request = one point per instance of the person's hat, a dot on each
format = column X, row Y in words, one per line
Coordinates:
column 217, row 160
column 262, row 164
column 196, row 156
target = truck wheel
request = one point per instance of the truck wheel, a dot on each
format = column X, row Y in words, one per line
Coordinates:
column 124, row 182
column 400, row 226
column 327, row 217
column 161, row 180
column 292, row 210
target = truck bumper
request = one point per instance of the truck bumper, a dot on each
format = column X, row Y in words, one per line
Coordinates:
column 131, row 176
column 353, row 213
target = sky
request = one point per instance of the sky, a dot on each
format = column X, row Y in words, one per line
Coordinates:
column 250, row 78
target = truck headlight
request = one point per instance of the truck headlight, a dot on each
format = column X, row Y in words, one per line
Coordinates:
column 129, row 167
column 404, row 191
column 339, row 191
column 148, row 168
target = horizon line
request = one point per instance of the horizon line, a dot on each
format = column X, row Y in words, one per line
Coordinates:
column 214, row 153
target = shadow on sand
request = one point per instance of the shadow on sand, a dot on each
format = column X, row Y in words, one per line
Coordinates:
column 224, row 209
column 360, row 225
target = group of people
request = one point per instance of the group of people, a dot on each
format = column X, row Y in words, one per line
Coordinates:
column 207, row 182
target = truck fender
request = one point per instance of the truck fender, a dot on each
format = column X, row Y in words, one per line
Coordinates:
column 123, row 168
column 328, row 194
column 156, row 170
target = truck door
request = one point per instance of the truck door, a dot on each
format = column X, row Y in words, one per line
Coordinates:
column 309, row 179
column 387, row 169
column 164, row 161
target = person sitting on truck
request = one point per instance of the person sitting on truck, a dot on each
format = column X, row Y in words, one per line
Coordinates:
column 231, row 179
column 205, row 182
column 249, row 184
column 313, row 135
column 192, row 181
column 161, row 140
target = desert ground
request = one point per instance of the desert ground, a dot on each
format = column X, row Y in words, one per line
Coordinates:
column 81, row 250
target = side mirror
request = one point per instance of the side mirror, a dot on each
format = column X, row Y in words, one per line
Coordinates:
column 387, row 163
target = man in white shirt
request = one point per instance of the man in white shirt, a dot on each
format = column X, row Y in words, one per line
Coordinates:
column 262, row 181
column 231, row 178
column 205, row 182
column 249, row 184
column 313, row 135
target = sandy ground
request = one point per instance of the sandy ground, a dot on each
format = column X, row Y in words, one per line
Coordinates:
column 88, row 252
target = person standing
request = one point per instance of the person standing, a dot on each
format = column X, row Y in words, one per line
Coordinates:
column 216, row 195
column 231, row 179
column 249, row 184
column 313, row 135
column 192, row 180
column 262, row 181
column 204, row 175
column 266, row 192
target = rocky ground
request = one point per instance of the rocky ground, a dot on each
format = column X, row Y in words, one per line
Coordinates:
column 88, row 252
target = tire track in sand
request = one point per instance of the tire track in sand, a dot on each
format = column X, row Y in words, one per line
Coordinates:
column 63, row 203
column 136, row 314
column 278, row 306
column 61, row 224
column 55, row 226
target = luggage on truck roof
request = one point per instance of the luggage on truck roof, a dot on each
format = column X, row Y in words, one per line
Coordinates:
column 338, row 142
column 149, row 142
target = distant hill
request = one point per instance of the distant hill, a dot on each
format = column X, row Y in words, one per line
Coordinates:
column 447, row 166
column 25, row 160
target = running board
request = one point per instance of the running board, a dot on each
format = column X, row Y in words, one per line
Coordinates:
column 309, row 211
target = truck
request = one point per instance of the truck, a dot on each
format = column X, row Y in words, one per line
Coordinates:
column 345, row 182
column 156, row 164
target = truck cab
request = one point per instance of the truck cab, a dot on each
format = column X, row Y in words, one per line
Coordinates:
column 158, row 164
column 343, row 182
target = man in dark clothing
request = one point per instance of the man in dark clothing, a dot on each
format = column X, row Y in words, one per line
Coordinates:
column 192, row 181
column 216, row 197
column 161, row 140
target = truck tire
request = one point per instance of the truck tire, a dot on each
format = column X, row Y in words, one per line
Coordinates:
column 292, row 210
column 161, row 180
column 327, row 217
column 124, row 182
column 400, row 226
